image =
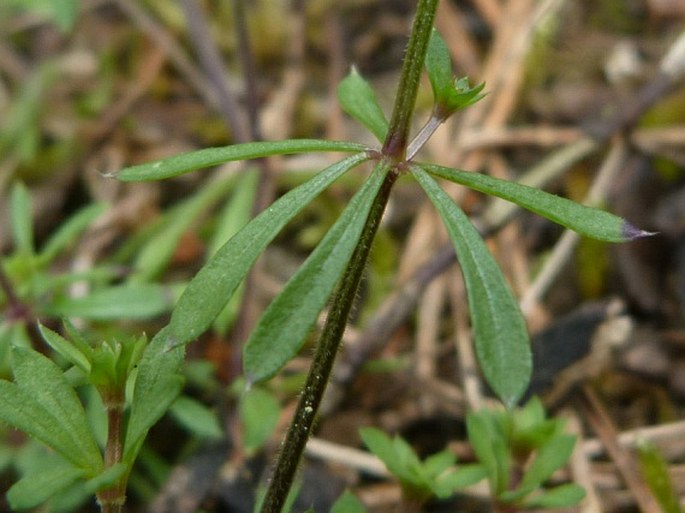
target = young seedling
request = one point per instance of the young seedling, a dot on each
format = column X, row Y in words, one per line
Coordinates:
column 436, row 476
column 42, row 402
column 520, row 450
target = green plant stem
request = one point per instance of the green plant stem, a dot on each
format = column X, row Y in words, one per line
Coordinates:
column 324, row 357
column 395, row 144
column 112, row 499
column 424, row 134
column 394, row 150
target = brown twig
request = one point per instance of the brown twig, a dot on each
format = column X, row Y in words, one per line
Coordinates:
column 594, row 413
column 212, row 64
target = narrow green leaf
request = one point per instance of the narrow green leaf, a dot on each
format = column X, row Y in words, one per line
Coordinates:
column 186, row 162
column 550, row 457
column 437, row 463
column 68, row 231
column 348, row 503
column 107, row 478
column 40, row 377
column 158, row 383
column 215, row 283
column 654, row 468
column 76, row 338
column 196, row 418
column 159, row 249
column 259, row 413
column 21, row 218
column 128, row 301
column 500, row 334
column 65, row 348
column 20, row 137
column 37, row 486
column 236, row 213
column 559, row 497
column 287, row 321
column 587, row 221
column 450, row 94
column 439, row 67
column 358, row 99
column 484, row 441
column 382, row 446
column 462, row 477
column 413, row 470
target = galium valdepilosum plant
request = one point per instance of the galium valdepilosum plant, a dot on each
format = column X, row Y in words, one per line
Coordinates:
column 331, row 274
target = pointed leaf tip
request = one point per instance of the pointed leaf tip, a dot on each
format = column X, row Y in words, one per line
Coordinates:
column 631, row 232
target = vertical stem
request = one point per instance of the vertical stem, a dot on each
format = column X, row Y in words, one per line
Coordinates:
column 395, row 144
column 324, row 357
column 112, row 499
column 394, row 149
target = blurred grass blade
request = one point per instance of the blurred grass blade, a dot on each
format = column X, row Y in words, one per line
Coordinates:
column 128, row 301
column 68, row 231
column 160, row 247
column 654, row 469
column 358, row 99
column 196, row 418
column 260, row 411
column 213, row 286
column 186, row 162
column 562, row 496
column 499, row 331
column 21, row 219
column 20, row 127
column 287, row 321
column 587, row 221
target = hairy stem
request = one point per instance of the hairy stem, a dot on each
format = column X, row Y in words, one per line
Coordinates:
column 324, row 357
column 395, row 144
column 112, row 499
column 394, row 149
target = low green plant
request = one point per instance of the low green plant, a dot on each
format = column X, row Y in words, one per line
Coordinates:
column 31, row 289
column 520, row 450
column 330, row 275
column 43, row 403
column 516, row 450
column 436, row 476
column 654, row 469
